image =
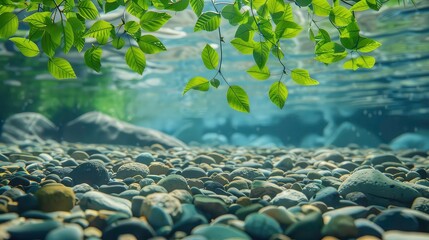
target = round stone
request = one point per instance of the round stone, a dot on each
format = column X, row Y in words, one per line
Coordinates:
column 132, row 169
column 289, row 198
column 193, row 172
column 168, row 203
column 173, row 182
column 68, row 232
column 219, row 231
column 342, row 227
column 91, row 172
column 247, row 173
column 138, row 229
column 261, row 226
column 145, row 158
column 55, row 197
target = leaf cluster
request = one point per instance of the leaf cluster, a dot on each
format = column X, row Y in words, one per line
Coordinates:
column 261, row 28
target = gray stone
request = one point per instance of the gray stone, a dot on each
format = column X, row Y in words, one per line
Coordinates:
column 68, row 232
column 352, row 211
column 399, row 235
column 378, row 188
column 91, row 172
column 307, row 228
column 139, row 229
column 158, row 217
column 101, row 201
column 96, row 127
column 149, row 189
column 366, row 227
column 284, row 163
column 382, row 158
column 28, row 127
column 289, row 198
column 213, row 206
column 342, row 227
column 247, row 173
column 421, row 204
column 193, row 172
column 145, row 158
column 132, row 169
column 190, row 218
column 348, row 133
column 328, row 195
column 220, row 231
column 261, row 188
column 165, row 201
column 397, row 220
column 30, row 230
column 173, row 182
column 261, row 226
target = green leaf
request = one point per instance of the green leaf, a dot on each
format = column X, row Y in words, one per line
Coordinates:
column 132, row 27
column 276, row 8
column 349, row 36
column 367, row 45
column 152, row 21
column 210, row 57
column 99, row 29
column 232, row 13
column 257, row 73
column 8, row 24
column 278, row 94
column 215, row 82
column 177, row 5
column 38, row 19
column 135, row 59
column 93, row 58
column 87, row 9
column 330, row 52
column 197, row 6
column 48, row 45
column 286, row 29
column 288, row 13
column 302, row 77
column 110, row 6
column 208, row 21
column 277, row 52
column 261, row 53
column 362, row 5
column 237, row 99
column 27, row 47
column 245, row 32
column 150, row 44
column 244, row 47
column 138, row 7
column 60, row 68
column 266, row 29
column 197, row 83
column 77, row 25
column 79, row 41
column 375, row 4
column 360, row 62
column 321, row 8
column 68, row 37
column 302, row 3
column 341, row 16
column 118, row 42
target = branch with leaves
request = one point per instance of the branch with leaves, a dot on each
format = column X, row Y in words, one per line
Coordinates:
column 261, row 28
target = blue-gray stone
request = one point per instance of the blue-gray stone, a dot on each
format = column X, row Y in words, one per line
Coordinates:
column 366, row 227
column 145, row 158
column 220, row 231
column 27, row 231
column 101, row 201
column 159, row 218
column 328, row 195
column 261, row 226
column 139, row 229
column 68, row 232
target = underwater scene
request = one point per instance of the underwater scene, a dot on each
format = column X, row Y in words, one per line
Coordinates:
column 210, row 119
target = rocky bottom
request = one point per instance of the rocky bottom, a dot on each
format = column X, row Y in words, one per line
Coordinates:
column 73, row 191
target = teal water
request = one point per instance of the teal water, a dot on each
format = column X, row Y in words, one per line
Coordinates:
column 396, row 88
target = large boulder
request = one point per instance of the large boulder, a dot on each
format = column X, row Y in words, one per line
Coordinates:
column 348, row 133
column 96, row 127
column 28, row 127
column 418, row 140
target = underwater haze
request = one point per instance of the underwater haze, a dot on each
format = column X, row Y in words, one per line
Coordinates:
column 388, row 104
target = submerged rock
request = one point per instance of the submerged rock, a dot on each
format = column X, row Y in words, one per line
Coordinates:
column 348, row 133
column 28, row 127
column 379, row 189
column 96, row 127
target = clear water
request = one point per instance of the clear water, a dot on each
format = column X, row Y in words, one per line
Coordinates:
column 394, row 94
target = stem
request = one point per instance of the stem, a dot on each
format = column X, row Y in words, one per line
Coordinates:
column 219, row 70
column 262, row 34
